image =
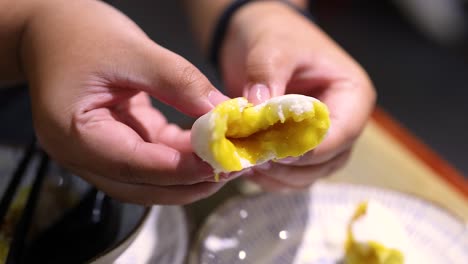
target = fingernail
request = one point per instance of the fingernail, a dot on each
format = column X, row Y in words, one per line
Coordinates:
column 258, row 93
column 215, row 97
column 287, row 160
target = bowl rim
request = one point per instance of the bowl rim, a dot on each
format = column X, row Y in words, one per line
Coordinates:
column 123, row 244
column 118, row 248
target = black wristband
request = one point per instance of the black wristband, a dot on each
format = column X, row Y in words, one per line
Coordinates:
column 223, row 22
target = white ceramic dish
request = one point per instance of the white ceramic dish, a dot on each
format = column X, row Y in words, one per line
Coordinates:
column 309, row 227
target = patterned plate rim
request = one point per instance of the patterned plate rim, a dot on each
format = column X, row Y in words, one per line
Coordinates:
column 193, row 253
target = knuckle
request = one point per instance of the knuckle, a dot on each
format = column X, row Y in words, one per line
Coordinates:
column 261, row 64
column 192, row 80
column 126, row 173
column 126, row 170
column 189, row 75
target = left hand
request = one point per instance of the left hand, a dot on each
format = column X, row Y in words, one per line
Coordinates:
column 91, row 71
column 271, row 50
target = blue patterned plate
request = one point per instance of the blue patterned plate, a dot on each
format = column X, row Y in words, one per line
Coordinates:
column 309, row 227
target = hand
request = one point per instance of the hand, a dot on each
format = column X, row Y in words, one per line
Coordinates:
column 271, row 50
column 90, row 70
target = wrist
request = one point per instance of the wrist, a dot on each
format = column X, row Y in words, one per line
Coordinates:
column 265, row 12
column 203, row 15
column 239, row 22
column 14, row 17
column 35, row 31
column 256, row 13
column 64, row 35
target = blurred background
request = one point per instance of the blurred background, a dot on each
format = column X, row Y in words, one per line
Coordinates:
column 415, row 51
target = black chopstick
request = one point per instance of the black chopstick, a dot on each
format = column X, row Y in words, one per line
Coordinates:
column 15, row 252
column 16, row 179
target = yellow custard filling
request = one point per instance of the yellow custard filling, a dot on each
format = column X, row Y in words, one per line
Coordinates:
column 254, row 134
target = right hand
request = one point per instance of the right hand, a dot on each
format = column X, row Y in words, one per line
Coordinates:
column 91, row 70
column 263, row 57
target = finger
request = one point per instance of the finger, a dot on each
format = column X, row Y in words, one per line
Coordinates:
column 112, row 149
column 269, row 184
column 350, row 104
column 174, row 137
column 302, row 176
column 233, row 175
column 139, row 114
column 150, row 194
column 179, row 83
column 268, row 71
column 151, row 124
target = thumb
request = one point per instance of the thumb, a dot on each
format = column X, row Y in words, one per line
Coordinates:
column 268, row 72
column 180, row 84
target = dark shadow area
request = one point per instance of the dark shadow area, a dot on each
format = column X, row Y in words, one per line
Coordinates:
column 15, row 116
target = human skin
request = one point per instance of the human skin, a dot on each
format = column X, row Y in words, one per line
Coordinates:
column 270, row 50
column 91, row 71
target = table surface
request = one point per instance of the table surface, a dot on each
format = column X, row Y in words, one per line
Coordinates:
column 387, row 155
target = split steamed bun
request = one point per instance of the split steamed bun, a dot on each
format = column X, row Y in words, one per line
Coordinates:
column 237, row 135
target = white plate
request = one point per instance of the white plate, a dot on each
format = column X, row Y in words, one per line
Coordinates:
column 309, row 227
